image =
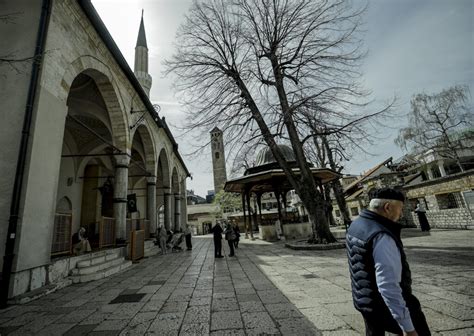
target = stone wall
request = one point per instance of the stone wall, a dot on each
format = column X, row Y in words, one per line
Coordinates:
column 438, row 216
column 451, row 183
column 297, row 230
column 54, row 274
column 267, row 232
column 448, row 219
column 18, row 41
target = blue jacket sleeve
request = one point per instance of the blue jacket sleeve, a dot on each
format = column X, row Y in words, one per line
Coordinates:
column 388, row 271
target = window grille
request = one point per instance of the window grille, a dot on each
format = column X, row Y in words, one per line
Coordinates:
column 354, row 211
column 450, row 201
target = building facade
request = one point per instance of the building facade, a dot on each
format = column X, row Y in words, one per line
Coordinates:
column 80, row 140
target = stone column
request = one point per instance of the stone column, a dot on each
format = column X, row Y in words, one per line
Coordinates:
column 168, row 198
column 120, row 194
column 244, row 216
column 177, row 212
column 430, row 173
column 151, row 203
column 441, row 168
column 249, row 215
column 160, row 201
column 184, row 211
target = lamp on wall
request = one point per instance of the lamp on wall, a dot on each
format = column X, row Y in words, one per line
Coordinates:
column 156, row 107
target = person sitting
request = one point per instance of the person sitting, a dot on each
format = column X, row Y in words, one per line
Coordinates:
column 81, row 243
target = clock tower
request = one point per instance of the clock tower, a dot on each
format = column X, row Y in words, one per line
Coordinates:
column 218, row 159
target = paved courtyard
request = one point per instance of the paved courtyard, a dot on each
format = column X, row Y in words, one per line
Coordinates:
column 266, row 290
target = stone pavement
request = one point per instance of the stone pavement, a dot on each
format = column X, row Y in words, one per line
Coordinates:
column 266, row 290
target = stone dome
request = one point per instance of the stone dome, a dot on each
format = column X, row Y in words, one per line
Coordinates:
column 265, row 155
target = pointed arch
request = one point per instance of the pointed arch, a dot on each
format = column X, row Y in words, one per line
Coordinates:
column 149, row 149
column 108, row 88
column 175, row 182
column 163, row 170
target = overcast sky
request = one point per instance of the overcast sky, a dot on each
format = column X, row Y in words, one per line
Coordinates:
column 414, row 46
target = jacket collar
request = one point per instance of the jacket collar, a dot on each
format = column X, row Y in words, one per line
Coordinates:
column 390, row 225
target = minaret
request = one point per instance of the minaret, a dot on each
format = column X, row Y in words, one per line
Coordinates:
column 218, row 159
column 141, row 60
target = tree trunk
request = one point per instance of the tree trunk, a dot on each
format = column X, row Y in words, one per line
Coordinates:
column 337, row 187
column 315, row 206
column 341, row 202
column 327, row 197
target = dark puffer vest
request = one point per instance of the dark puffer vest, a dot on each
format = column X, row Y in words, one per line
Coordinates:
column 359, row 239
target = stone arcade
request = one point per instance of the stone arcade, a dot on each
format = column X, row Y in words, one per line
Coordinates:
column 94, row 138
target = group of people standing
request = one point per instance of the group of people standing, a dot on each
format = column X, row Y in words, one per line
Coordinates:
column 166, row 239
column 231, row 234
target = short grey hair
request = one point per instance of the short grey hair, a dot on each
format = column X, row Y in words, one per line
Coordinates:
column 378, row 203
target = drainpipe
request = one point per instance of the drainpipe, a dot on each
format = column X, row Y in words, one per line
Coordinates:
column 20, row 167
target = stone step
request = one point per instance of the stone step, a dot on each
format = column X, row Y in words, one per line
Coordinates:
column 97, row 267
column 102, row 273
column 99, row 258
column 150, row 248
column 103, row 252
column 338, row 233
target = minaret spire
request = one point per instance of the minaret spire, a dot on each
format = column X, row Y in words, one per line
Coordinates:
column 141, row 59
column 141, row 40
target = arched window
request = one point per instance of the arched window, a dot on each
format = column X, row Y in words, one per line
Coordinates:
column 64, row 206
column 217, row 155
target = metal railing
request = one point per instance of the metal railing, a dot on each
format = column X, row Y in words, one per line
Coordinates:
column 146, row 228
column 137, row 244
column 106, row 232
column 62, row 234
column 137, row 224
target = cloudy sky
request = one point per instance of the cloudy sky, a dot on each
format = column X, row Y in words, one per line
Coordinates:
column 414, row 46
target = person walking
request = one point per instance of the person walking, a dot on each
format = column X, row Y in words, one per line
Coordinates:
column 187, row 235
column 230, row 236
column 217, row 232
column 163, row 237
column 237, row 235
column 421, row 213
column 380, row 274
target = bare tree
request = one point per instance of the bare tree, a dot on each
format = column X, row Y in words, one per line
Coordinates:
column 324, row 154
column 442, row 122
column 334, row 144
column 256, row 68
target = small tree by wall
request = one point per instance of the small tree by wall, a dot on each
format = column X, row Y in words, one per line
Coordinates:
column 441, row 122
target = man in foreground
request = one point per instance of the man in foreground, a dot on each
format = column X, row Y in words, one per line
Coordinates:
column 380, row 274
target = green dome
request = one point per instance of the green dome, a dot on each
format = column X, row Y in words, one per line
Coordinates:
column 265, row 155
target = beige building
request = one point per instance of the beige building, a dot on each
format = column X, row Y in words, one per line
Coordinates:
column 446, row 193
column 79, row 138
